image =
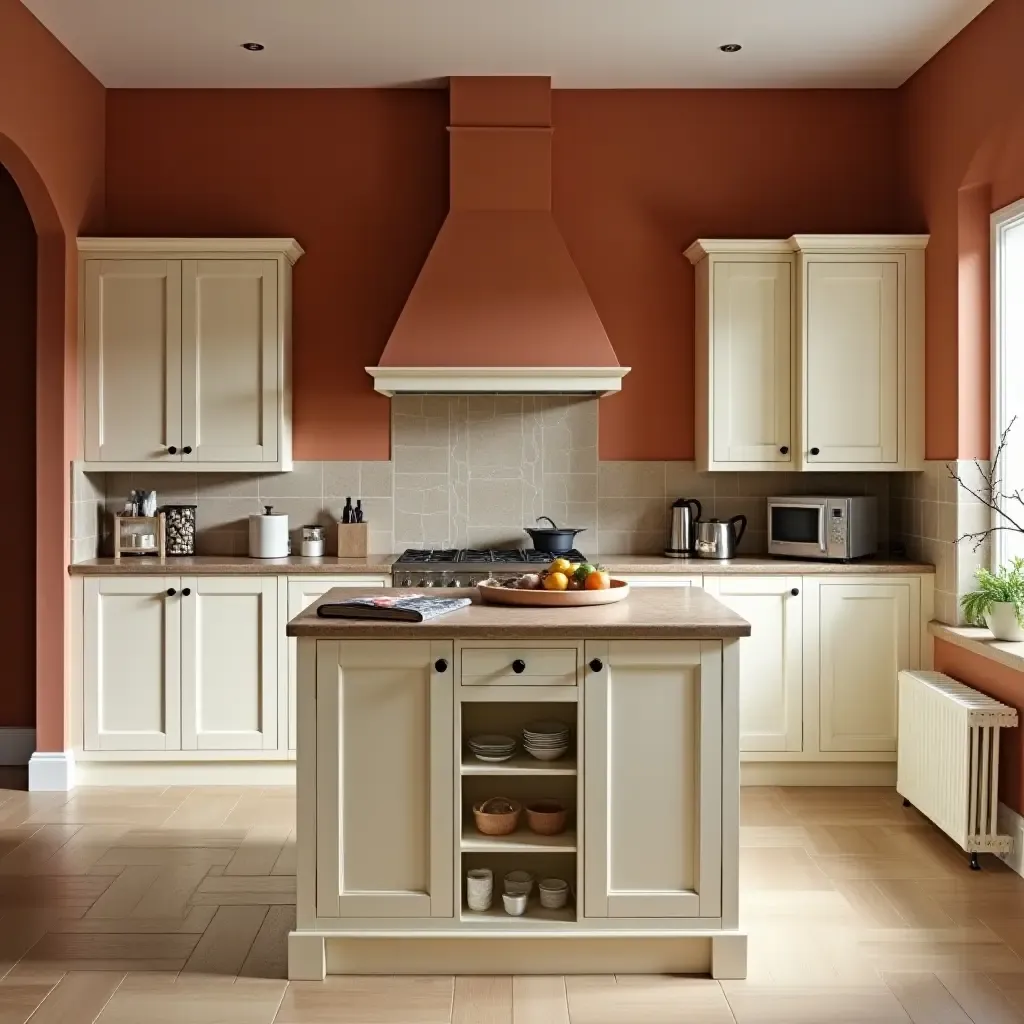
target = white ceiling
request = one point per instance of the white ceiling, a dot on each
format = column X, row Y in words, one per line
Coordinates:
column 580, row 43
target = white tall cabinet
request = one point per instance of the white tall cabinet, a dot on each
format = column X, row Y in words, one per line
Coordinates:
column 187, row 353
column 810, row 352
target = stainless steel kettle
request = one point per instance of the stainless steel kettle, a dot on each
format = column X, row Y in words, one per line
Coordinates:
column 717, row 538
column 683, row 533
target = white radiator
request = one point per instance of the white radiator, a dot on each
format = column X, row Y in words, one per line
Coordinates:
column 948, row 761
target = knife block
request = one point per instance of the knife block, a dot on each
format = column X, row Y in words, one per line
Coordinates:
column 352, row 540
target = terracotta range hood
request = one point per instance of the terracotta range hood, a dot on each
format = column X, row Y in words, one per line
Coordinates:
column 499, row 306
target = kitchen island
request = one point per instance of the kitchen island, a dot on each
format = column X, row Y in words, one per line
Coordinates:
column 648, row 689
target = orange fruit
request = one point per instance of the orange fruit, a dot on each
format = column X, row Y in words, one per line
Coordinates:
column 598, row 580
column 556, row 581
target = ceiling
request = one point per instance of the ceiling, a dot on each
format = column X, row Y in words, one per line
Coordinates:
column 580, row 43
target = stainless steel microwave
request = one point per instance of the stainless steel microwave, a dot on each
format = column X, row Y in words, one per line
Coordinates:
column 833, row 529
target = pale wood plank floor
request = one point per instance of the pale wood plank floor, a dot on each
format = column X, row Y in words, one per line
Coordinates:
column 147, row 906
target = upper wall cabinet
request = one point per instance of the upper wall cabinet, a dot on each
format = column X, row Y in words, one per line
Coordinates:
column 810, row 353
column 187, row 353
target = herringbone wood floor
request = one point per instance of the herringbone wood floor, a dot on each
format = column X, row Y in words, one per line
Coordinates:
column 147, row 906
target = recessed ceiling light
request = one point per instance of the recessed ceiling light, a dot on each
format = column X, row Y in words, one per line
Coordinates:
column 730, row 48
column 254, row 47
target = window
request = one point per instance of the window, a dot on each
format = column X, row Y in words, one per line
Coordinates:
column 1008, row 364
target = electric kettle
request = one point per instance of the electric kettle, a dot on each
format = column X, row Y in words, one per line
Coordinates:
column 683, row 534
column 717, row 538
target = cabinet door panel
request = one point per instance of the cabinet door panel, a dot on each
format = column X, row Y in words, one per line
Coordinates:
column 229, row 656
column 866, row 636
column 132, row 321
column 752, row 361
column 653, row 785
column 229, row 360
column 771, row 658
column 132, row 651
column 854, row 326
column 302, row 592
column 385, row 765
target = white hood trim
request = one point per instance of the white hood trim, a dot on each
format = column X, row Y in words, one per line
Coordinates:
column 518, row 380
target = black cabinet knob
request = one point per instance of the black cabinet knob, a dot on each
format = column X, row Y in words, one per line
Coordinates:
column 815, row 451
column 172, row 450
column 171, row 591
column 186, row 592
column 596, row 664
column 795, row 591
column 784, row 449
column 519, row 666
column 187, row 449
column 441, row 665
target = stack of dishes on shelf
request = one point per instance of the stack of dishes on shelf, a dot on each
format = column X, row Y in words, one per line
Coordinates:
column 546, row 740
column 492, row 748
column 554, row 893
column 518, row 886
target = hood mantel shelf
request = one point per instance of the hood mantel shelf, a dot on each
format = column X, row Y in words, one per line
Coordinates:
column 524, row 380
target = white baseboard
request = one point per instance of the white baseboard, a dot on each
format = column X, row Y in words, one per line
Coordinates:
column 16, row 745
column 818, row 773
column 185, row 773
column 1011, row 824
column 52, row 771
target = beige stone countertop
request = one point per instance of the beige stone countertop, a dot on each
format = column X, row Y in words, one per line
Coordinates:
column 231, row 565
column 754, row 565
column 649, row 613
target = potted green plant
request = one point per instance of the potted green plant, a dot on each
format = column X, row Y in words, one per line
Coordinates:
column 999, row 601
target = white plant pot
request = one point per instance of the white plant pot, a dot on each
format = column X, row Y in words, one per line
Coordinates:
column 1001, row 618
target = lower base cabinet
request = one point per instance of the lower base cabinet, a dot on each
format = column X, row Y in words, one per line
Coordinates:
column 653, row 780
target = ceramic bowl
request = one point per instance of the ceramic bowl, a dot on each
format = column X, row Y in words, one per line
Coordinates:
column 518, row 883
column 515, row 905
column 546, row 817
column 497, row 816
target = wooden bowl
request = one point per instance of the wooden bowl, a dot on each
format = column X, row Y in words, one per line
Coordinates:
column 494, row 593
column 497, row 816
column 546, row 817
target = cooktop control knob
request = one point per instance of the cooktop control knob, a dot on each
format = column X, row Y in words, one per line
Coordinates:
column 454, row 582
column 407, row 582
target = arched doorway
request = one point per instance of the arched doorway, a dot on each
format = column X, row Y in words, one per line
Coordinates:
column 18, row 329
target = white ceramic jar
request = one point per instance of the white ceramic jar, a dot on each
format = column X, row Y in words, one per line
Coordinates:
column 268, row 534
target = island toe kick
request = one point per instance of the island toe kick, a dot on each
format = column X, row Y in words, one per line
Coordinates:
column 599, row 775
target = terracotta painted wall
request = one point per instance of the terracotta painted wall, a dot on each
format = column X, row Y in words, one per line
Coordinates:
column 52, row 142
column 963, row 116
column 360, row 178
column 17, row 424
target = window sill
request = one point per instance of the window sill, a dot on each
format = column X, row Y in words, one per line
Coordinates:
column 979, row 641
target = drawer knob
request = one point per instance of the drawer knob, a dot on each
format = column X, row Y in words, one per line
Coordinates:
column 784, row 449
column 441, row 665
column 519, row 666
column 596, row 664
column 186, row 592
column 171, row 591
column 172, row 450
column 795, row 591
column 815, row 451
column 187, row 449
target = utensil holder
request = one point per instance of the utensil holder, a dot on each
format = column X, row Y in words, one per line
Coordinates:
column 352, row 540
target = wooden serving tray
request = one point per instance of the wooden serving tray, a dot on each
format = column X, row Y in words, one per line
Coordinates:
column 495, row 593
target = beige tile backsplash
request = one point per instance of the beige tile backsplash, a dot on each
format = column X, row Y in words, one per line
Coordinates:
column 472, row 471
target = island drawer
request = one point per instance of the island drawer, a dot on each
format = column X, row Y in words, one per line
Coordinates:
column 524, row 666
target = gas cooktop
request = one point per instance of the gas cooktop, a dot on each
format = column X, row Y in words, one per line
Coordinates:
column 457, row 567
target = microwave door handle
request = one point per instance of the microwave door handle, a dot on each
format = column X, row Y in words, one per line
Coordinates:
column 822, row 539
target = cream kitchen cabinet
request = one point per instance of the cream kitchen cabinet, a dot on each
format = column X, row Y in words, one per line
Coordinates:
column 187, row 352
column 658, row 579
column 185, row 664
column 300, row 592
column 771, row 658
column 385, row 829
column 810, row 353
column 653, row 780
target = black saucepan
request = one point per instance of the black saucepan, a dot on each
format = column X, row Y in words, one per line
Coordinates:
column 555, row 540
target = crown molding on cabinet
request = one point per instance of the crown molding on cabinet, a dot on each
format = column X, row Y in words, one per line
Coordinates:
column 194, row 248
column 804, row 243
column 706, row 246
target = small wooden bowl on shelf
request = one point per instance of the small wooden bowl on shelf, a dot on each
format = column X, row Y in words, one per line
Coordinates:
column 497, row 816
column 546, row 817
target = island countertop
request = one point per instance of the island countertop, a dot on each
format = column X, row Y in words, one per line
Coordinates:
column 648, row 613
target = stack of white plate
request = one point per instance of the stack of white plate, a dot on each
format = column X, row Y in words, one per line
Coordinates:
column 492, row 748
column 546, row 740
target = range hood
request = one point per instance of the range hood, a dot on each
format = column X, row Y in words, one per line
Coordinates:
column 499, row 305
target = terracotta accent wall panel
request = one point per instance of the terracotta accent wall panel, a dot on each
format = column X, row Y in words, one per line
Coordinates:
column 359, row 177
column 638, row 175
column 963, row 115
column 1002, row 683
column 500, row 169
column 52, row 142
column 519, row 101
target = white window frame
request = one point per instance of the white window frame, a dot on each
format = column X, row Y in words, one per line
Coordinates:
column 1003, row 221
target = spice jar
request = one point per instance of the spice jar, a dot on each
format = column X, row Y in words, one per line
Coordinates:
column 312, row 541
column 181, row 529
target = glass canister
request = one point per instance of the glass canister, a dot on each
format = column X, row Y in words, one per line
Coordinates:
column 313, row 541
column 181, row 529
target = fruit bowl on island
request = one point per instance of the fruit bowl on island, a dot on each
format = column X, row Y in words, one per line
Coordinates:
column 563, row 584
